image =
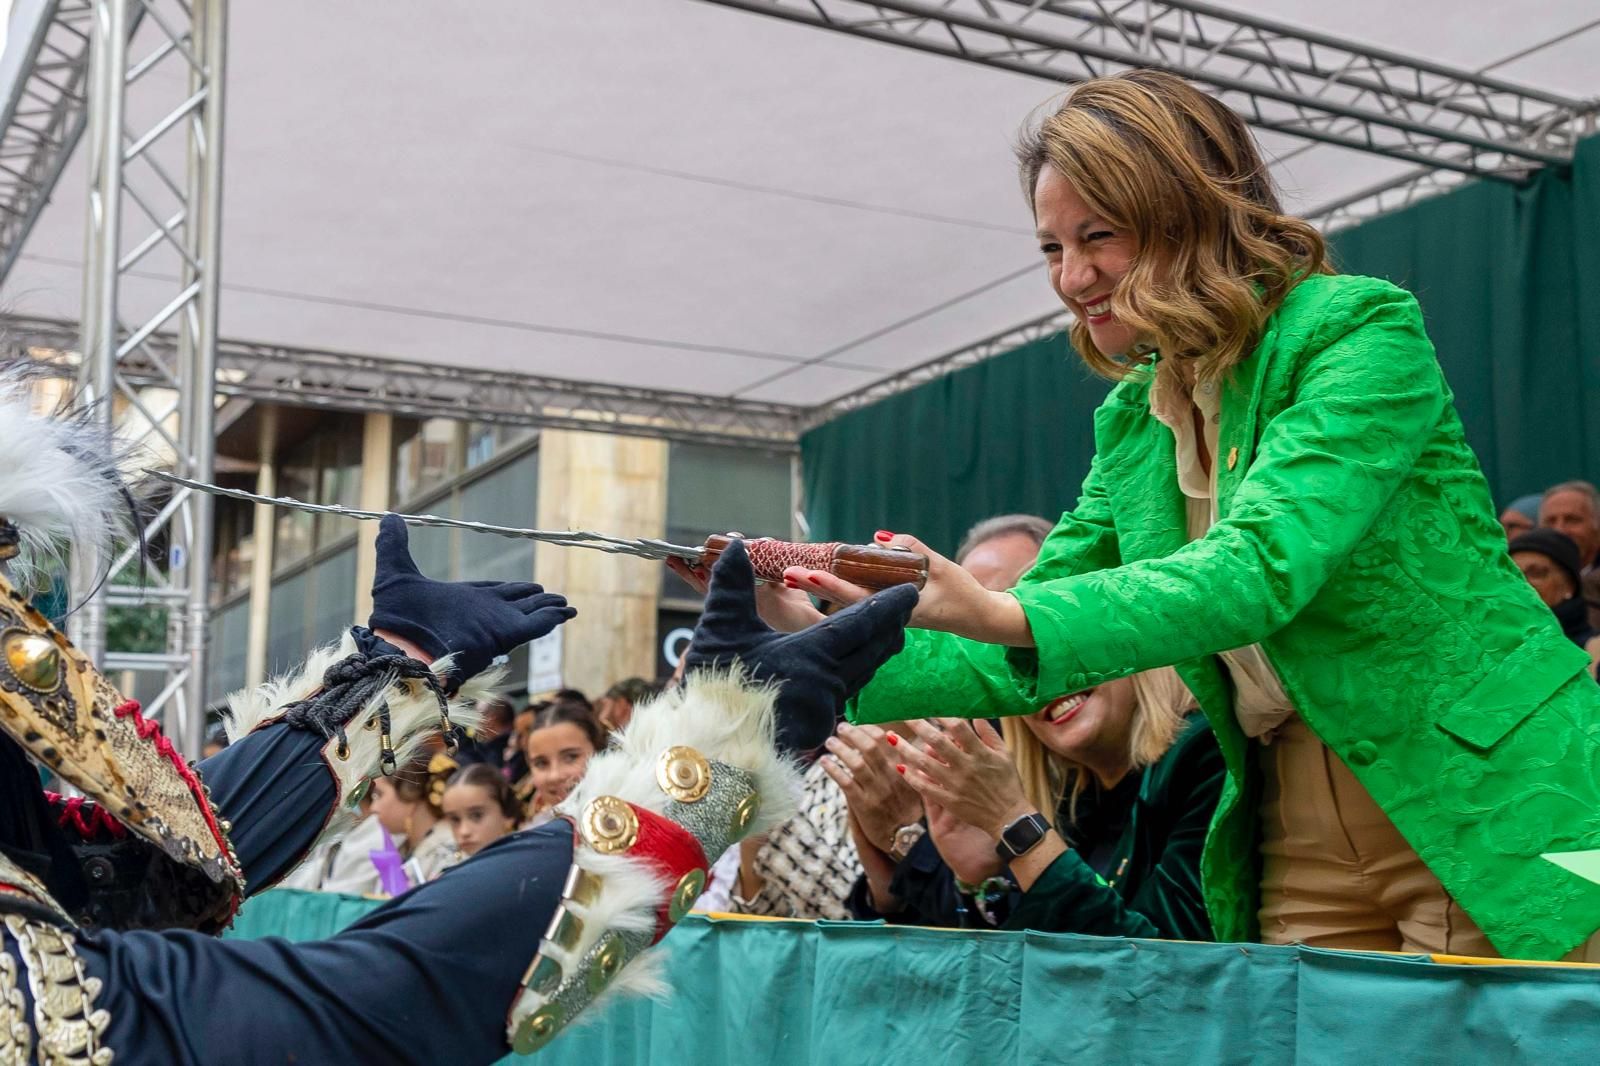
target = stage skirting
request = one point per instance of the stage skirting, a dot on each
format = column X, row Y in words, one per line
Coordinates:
column 750, row 991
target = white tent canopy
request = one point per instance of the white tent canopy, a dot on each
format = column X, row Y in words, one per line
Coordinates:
column 665, row 194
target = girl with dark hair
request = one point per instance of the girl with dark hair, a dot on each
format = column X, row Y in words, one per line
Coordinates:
column 480, row 807
column 410, row 807
column 565, row 736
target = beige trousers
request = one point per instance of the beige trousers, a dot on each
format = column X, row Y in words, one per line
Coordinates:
column 1335, row 873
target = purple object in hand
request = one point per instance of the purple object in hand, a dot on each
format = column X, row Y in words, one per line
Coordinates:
column 391, row 867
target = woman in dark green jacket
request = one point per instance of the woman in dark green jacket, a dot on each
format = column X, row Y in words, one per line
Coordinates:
column 1133, row 779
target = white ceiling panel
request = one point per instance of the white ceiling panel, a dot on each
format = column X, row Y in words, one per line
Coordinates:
column 666, row 193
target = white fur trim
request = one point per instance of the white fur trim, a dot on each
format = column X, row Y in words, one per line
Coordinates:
column 413, row 718
column 721, row 715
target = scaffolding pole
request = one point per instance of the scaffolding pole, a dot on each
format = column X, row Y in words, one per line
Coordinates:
column 161, row 399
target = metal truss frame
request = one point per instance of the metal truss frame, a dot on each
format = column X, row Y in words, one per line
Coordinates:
column 346, row 382
column 43, row 115
column 164, row 392
column 1279, row 77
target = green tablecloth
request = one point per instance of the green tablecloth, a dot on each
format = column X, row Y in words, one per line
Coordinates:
column 755, row 992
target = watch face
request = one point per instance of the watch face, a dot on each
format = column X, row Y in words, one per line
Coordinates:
column 905, row 838
column 1023, row 834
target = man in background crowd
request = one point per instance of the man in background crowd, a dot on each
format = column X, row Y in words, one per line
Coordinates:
column 486, row 743
column 1573, row 508
column 1520, row 515
column 615, row 708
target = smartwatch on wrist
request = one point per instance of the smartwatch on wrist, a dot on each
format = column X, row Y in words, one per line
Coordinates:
column 1018, row 838
column 905, row 838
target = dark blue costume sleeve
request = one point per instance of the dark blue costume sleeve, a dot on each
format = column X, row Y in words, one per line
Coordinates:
column 427, row 978
column 275, row 789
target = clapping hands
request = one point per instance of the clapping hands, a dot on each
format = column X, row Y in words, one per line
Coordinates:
column 963, row 767
column 880, row 800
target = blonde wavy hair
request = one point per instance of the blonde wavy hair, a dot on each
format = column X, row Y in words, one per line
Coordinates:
column 1162, row 702
column 1180, row 174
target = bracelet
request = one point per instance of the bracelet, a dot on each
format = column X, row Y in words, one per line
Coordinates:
column 986, row 893
column 990, row 888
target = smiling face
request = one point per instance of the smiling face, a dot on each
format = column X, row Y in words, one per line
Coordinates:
column 1090, row 728
column 1087, row 257
column 557, row 756
column 475, row 817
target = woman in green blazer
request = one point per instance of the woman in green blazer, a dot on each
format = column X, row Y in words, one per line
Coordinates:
column 1284, row 506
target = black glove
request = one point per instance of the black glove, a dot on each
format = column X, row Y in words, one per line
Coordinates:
column 476, row 621
column 818, row 668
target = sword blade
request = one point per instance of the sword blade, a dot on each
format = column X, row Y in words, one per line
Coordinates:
column 641, row 547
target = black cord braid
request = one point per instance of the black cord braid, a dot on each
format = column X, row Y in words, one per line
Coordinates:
column 349, row 684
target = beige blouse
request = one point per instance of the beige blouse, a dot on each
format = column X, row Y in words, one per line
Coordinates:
column 435, row 853
column 1260, row 703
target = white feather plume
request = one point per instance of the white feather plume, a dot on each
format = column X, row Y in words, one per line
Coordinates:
column 59, row 483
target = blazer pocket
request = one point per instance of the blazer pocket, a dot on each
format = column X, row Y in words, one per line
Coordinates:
column 1512, row 691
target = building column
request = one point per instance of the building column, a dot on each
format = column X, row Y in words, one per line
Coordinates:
column 255, row 661
column 617, row 485
column 377, row 480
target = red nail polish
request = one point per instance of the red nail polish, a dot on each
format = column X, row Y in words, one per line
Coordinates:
column 814, row 580
column 884, row 534
column 892, row 739
column 900, row 766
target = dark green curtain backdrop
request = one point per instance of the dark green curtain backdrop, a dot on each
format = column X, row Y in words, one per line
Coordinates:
column 1014, row 433
column 1509, row 279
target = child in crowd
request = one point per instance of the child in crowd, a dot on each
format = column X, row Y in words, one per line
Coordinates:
column 409, row 806
column 480, row 807
column 564, row 736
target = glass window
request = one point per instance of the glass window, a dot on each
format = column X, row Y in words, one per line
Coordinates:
column 235, row 549
column 713, row 489
column 485, row 440
column 432, row 547
column 297, row 478
column 309, row 609
column 286, row 624
column 426, row 455
column 505, row 497
column 339, row 446
column 333, row 598
column 230, row 648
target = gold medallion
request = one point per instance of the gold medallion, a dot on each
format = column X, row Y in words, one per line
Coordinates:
column 610, row 825
column 684, row 774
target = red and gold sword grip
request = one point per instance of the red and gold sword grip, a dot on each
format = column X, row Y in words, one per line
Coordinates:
column 866, row 565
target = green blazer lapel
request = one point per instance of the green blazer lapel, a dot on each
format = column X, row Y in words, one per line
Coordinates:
column 1241, row 410
column 1139, row 468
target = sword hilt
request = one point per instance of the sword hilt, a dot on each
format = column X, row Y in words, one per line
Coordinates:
column 866, row 565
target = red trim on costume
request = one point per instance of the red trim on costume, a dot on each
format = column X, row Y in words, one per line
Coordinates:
column 87, row 817
column 151, row 731
column 670, row 850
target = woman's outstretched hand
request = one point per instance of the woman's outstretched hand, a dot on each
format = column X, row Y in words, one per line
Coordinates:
column 951, row 601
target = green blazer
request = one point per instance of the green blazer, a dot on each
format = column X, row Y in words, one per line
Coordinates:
column 1358, row 545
